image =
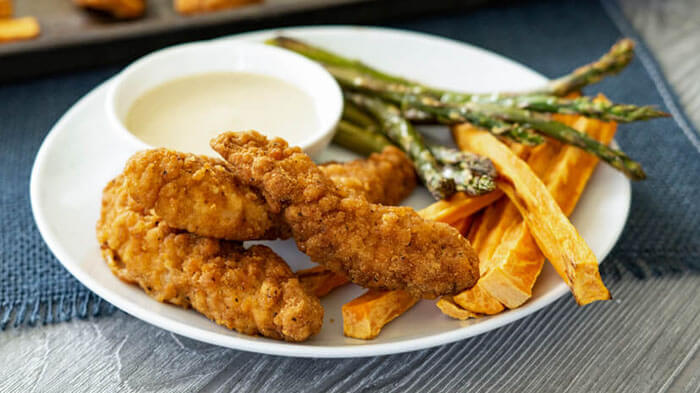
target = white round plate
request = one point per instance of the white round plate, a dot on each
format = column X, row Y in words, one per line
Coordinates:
column 80, row 155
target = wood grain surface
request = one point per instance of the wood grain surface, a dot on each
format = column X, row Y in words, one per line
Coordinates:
column 643, row 341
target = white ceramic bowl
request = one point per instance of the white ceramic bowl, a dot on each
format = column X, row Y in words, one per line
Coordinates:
column 211, row 56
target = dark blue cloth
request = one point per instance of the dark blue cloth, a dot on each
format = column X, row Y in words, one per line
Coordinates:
column 552, row 37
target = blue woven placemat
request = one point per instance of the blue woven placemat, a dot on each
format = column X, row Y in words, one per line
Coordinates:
column 552, row 37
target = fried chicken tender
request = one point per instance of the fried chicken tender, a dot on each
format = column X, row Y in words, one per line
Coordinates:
column 375, row 246
column 122, row 9
column 385, row 178
column 250, row 290
column 199, row 194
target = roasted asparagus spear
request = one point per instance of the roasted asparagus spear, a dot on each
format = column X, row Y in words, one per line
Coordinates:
column 468, row 172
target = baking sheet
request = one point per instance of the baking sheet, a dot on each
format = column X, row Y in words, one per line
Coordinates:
column 74, row 38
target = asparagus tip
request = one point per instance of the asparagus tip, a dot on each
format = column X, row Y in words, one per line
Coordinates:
column 635, row 171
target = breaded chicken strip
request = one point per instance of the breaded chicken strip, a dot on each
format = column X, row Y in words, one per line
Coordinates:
column 252, row 291
column 200, row 194
column 375, row 246
column 386, row 178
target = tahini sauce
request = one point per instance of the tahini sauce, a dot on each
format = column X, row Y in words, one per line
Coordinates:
column 184, row 114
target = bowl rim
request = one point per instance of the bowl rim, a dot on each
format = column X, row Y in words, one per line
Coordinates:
column 316, row 141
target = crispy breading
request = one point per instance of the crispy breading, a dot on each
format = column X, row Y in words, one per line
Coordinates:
column 365, row 316
column 122, row 9
column 387, row 177
column 200, row 194
column 250, row 290
column 375, row 246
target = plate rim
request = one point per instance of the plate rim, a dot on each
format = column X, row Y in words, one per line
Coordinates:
column 268, row 346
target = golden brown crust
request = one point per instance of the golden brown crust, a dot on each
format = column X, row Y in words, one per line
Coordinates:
column 376, row 246
column 252, row 291
column 386, row 178
column 200, row 195
column 122, row 9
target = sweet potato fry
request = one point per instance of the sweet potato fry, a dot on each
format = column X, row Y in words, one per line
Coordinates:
column 509, row 271
column 5, row 8
column 365, row 316
column 510, row 261
column 463, row 225
column 568, row 179
column 320, row 281
column 187, row 7
column 448, row 307
column 458, row 206
column 477, row 300
column 565, row 176
column 485, row 235
column 552, row 231
column 19, row 29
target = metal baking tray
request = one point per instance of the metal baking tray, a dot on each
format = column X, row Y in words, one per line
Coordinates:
column 73, row 38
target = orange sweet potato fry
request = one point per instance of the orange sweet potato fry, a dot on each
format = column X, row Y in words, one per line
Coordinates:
column 458, row 206
column 485, row 235
column 320, row 281
column 556, row 237
column 477, row 300
column 365, row 316
column 510, row 271
column 449, row 308
column 568, row 179
column 463, row 225
column 19, row 29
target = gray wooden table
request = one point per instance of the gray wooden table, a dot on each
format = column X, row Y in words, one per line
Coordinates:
column 650, row 346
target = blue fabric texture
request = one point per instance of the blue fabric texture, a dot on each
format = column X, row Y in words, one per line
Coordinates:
column 551, row 37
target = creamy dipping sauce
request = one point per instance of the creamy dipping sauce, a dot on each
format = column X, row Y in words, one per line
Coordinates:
column 184, row 114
